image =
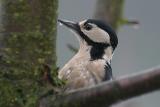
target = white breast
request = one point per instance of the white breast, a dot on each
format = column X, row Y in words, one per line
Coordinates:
column 79, row 73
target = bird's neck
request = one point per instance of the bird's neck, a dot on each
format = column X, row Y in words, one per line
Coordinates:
column 95, row 53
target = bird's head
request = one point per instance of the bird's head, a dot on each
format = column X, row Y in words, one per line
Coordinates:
column 96, row 34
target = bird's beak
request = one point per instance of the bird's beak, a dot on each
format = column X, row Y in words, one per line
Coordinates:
column 72, row 25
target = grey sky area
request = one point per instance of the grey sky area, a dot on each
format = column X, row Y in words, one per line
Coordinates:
column 138, row 49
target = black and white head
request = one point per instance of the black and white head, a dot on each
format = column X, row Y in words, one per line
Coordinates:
column 97, row 35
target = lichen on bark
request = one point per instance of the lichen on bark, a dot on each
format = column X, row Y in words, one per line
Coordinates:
column 29, row 41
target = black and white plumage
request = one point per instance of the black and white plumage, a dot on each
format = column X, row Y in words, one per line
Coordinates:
column 92, row 63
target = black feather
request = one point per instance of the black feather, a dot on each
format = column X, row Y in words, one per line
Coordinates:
column 108, row 72
column 97, row 51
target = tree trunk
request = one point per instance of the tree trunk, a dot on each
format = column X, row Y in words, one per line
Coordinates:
column 111, row 11
column 28, row 41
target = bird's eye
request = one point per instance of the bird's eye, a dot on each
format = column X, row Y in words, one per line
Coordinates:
column 88, row 27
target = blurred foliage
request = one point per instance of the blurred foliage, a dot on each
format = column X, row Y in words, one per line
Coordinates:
column 29, row 41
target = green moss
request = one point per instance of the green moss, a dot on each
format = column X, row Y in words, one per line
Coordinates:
column 29, row 43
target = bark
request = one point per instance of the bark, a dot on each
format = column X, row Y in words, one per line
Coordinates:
column 28, row 41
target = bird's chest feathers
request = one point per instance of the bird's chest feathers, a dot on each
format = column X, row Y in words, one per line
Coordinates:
column 83, row 65
column 97, row 68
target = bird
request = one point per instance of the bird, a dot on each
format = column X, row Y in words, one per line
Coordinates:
column 91, row 65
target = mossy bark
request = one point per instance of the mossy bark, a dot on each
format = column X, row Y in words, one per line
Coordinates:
column 29, row 41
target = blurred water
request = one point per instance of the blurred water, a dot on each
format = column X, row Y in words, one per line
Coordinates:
column 138, row 49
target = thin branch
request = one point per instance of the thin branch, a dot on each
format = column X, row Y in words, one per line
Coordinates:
column 111, row 92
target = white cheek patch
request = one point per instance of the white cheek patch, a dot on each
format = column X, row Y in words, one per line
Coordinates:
column 97, row 35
